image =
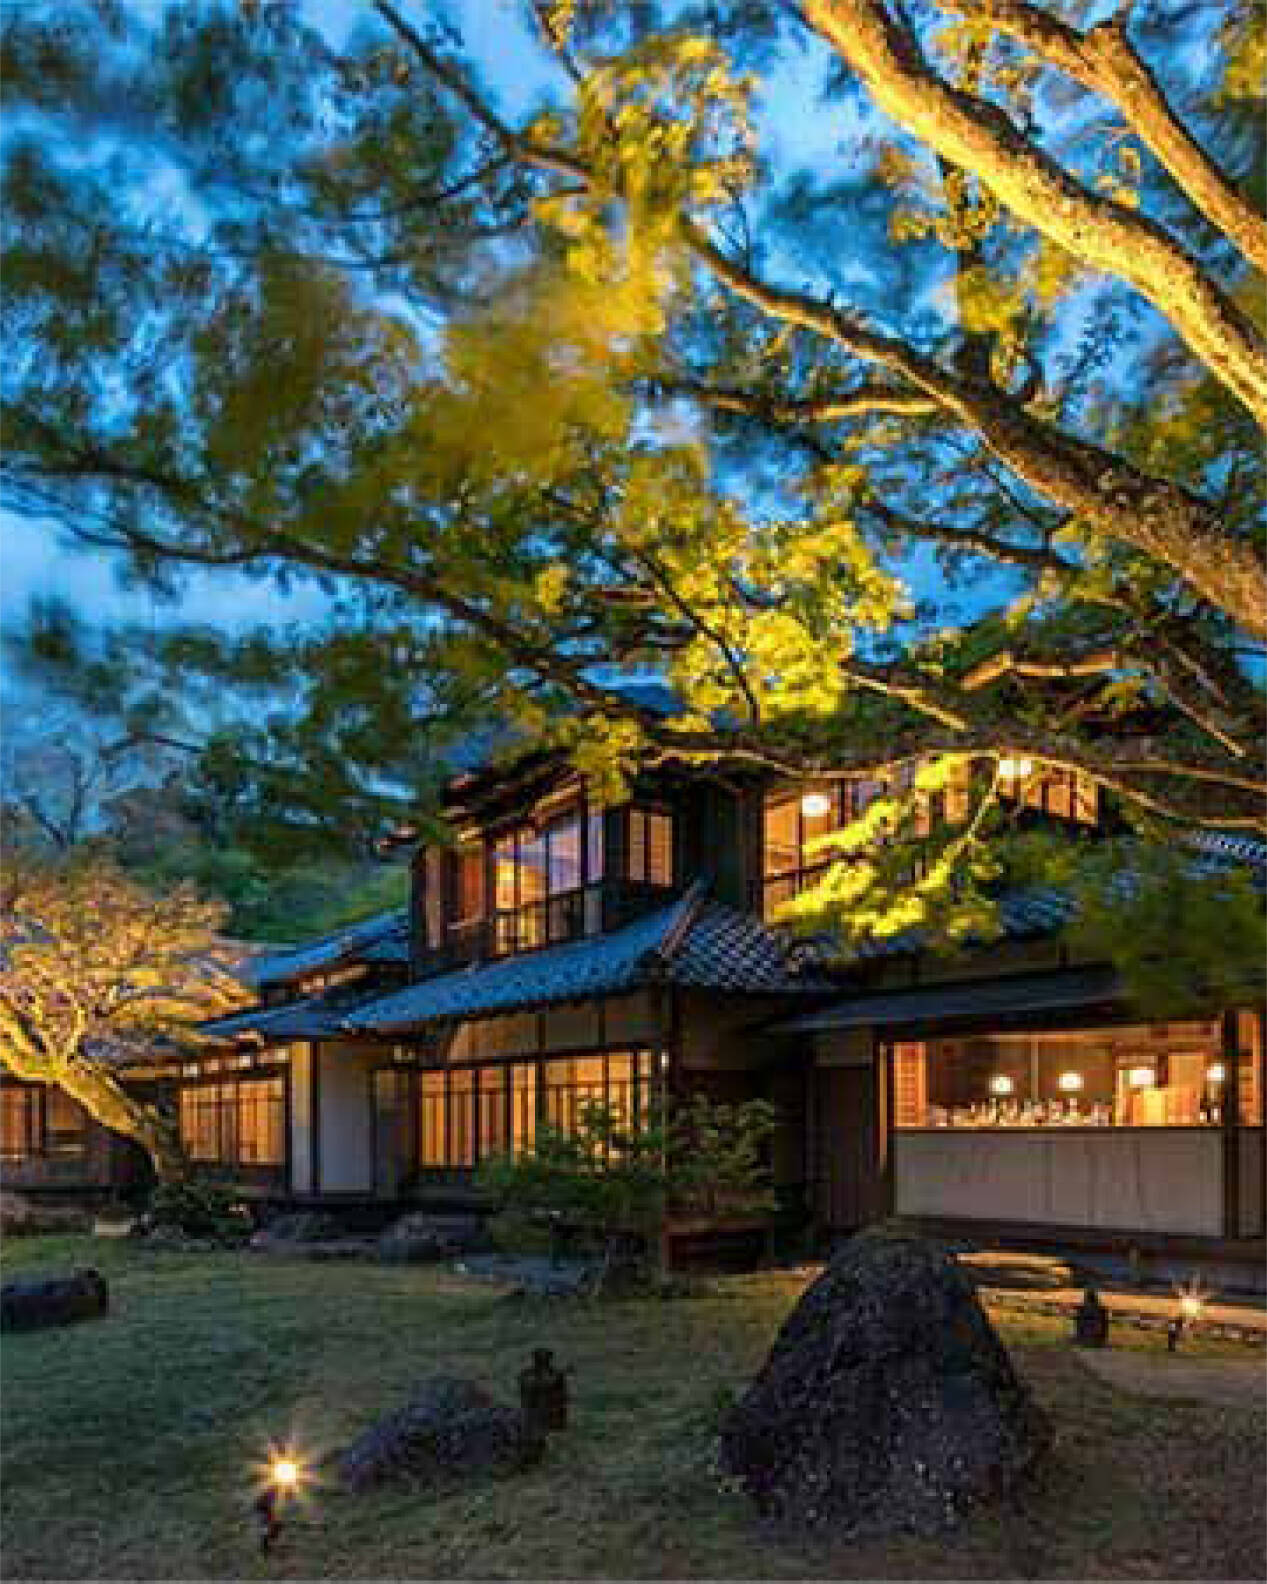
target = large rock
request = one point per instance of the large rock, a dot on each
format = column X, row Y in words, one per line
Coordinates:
column 449, row 1429
column 53, row 1301
column 887, row 1402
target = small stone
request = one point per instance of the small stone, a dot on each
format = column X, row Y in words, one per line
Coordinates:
column 54, row 1301
column 449, row 1429
column 423, row 1237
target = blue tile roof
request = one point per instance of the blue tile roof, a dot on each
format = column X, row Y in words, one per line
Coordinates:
column 1011, row 995
column 693, row 942
column 315, row 1017
column 383, row 938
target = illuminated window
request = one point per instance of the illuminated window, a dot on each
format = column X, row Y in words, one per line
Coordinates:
column 1063, row 794
column 462, row 1118
column 474, row 1114
column 432, row 1140
column 65, row 1125
column 19, row 1123
column 242, row 1123
column 1146, row 1075
column 469, row 884
column 650, row 837
column 538, row 880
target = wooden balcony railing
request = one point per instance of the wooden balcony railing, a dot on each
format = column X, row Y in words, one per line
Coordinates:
column 552, row 921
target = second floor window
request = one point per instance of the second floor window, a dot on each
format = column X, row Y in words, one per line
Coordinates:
column 540, row 875
column 650, row 847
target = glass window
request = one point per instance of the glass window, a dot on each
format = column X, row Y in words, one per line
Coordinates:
column 462, row 1118
column 1064, row 794
column 242, row 1123
column 1148, row 1075
column 494, row 1112
column 65, row 1124
column 650, row 847
column 261, row 1122
column 595, row 860
column 469, row 887
column 1249, row 1042
column 19, row 1122
column 523, row 1106
column 473, row 1114
column 432, row 1120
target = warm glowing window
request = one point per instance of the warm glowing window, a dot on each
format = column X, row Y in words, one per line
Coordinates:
column 1146, row 1075
column 469, row 884
column 1063, row 794
column 432, row 1119
column 493, row 1130
column 19, row 1123
column 260, row 1105
column 539, row 873
column 1249, row 1042
column 474, row 1114
column 650, row 847
column 242, row 1123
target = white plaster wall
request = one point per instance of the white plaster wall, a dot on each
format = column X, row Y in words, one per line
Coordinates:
column 344, row 1099
column 301, row 1118
column 1158, row 1180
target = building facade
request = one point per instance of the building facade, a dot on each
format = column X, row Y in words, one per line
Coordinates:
column 561, row 951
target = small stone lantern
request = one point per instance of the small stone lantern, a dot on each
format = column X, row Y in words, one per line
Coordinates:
column 543, row 1395
column 1091, row 1321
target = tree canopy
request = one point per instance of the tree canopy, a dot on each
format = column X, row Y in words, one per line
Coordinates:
column 885, row 375
column 95, row 974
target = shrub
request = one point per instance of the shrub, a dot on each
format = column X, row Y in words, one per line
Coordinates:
column 610, row 1186
column 199, row 1210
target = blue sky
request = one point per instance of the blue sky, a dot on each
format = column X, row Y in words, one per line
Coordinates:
column 37, row 561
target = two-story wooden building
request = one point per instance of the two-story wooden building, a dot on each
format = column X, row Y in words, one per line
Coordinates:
column 562, row 951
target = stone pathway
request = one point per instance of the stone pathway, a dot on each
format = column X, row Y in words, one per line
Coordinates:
column 1227, row 1383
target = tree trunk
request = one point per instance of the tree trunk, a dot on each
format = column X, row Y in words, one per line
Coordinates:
column 98, row 1090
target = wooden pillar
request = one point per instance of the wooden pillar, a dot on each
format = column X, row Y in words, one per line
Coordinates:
column 1231, row 1118
column 884, row 1091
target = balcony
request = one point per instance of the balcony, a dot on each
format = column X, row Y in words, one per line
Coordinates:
column 552, row 921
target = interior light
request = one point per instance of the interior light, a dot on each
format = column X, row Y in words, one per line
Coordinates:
column 1141, row 1077
column 814, row 805
column 1070, row 1082
column 1015, row 769
column 1216, row 1073
column 1001, row 1084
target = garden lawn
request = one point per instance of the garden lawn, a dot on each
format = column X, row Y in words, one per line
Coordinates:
column 129, row 1444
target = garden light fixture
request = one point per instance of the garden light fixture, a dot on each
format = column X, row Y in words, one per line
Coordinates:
column 284, row 1474
column 1192, row 1303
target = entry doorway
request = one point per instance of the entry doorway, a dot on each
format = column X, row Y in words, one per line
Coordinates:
column 394, row 1150
column 849, row 1185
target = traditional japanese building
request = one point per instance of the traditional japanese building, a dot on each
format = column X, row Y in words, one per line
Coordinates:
column 562, row 951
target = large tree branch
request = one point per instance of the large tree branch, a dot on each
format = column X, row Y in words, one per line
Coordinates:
column 975, row 134
column 1110, row 495
column 1103, row 60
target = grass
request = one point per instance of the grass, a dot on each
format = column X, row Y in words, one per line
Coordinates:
column 128, row 1444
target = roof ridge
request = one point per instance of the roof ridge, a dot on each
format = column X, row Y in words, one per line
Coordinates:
column 679, row 926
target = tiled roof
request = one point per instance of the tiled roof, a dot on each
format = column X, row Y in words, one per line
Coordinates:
column 1007, row 996
column 384, row 938
column 693, row 942
column 315, row 1017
